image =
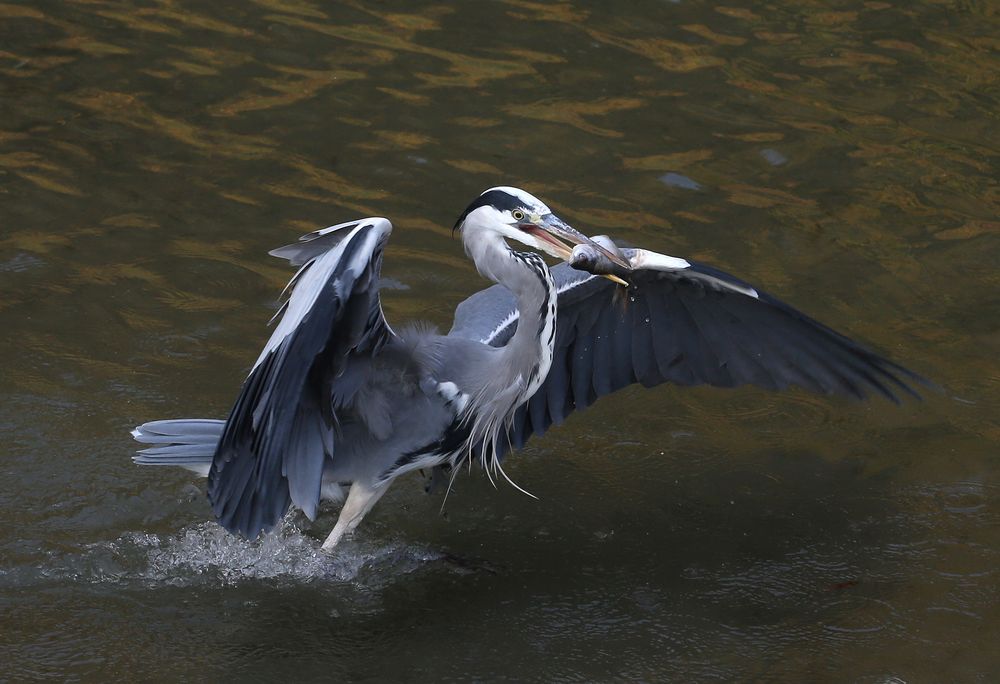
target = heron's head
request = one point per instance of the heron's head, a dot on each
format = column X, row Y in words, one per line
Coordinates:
column 515, row 214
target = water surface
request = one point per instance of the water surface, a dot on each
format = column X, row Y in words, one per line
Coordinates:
column 843, row 157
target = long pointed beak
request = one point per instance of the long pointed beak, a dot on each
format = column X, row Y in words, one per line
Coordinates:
column 558, row 237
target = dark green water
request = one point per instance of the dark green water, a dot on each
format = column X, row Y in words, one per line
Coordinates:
column 843, row 156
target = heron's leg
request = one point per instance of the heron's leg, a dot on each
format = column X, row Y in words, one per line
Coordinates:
column 360, row 500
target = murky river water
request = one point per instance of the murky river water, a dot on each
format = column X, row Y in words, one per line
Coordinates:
column 844, row 156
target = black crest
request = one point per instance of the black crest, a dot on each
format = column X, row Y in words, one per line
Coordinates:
column 498, row 199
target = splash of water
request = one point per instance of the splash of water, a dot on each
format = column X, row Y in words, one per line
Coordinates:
column 206, row 554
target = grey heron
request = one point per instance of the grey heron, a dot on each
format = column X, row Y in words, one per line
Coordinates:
column 340, row 400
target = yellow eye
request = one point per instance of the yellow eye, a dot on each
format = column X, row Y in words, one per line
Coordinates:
column 517, row 214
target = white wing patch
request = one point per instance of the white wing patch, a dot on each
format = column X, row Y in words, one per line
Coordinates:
column 452, row 395
column 748, row 291
column 511, row 317
column 309, row 280
column 654, row 261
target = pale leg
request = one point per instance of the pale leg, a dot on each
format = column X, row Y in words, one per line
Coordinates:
column 360, row 500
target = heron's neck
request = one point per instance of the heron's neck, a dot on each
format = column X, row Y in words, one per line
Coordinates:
column 527, row 356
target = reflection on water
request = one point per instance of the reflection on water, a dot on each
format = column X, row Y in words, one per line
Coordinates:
column 845, row 158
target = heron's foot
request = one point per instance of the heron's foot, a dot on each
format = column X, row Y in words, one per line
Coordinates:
column 360, row 500
column 332, row 540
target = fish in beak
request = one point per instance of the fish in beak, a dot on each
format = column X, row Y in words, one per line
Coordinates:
column 586, row 258
column 557, row 238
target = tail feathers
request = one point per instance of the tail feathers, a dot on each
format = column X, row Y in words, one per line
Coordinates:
column 188, row 443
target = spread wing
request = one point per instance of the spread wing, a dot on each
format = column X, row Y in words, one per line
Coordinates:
column 279, row 431
column 679, row 322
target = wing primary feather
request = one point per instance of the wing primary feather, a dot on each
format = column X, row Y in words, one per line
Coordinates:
column 650, row 340
column 742, row 357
